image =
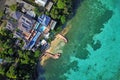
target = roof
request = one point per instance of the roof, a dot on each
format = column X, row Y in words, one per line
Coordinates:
column 43, row 42
column 16, row 15
column 44, row 20
column 10, row 25
column 26, row 23
column 10, row 2
column 33, row 41
column 25, row 5
column 41, row 2
column 36, row 25
column 47, row 35
column 53, row 24
column 31, row 13
column 49, row 6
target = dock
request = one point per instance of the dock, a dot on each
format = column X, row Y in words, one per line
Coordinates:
column 62, row 37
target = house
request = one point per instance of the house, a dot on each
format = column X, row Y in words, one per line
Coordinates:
column 25, row 6
column 22, row 5
column 25, row 26
column 41, row 2
column 44, row 45
column 39, row 29
column 49, row 6
column 53, row 24
column 25, row 23
column 44, row 19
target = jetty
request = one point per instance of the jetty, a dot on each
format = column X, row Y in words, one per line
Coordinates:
column 46, row 55
column 53, row 56
column 62, row 37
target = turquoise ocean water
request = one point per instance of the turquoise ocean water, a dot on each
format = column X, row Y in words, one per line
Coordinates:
column 93, row 50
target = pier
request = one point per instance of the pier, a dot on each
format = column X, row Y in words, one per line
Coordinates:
column 53, row 56
column 62, row 37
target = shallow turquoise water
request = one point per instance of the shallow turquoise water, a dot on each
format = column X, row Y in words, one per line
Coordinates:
column 92, row 52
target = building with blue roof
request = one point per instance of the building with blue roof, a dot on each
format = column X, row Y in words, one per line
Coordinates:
column 16, row 15
column 44, row 20
column 33, row 41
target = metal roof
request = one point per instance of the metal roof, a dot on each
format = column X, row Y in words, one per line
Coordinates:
column 44, row 20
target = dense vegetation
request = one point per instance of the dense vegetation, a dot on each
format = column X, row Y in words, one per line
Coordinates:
column 19, row 64
column 61, row 10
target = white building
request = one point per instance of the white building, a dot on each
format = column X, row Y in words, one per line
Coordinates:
column 41, row 2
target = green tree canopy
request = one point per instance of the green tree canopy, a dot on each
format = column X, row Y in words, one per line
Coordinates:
column 11, row 72
column 61, row 4
column 13, row 7
column 63, row 19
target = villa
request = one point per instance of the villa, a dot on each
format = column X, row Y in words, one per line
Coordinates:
column 30, row 30
column 34, row 32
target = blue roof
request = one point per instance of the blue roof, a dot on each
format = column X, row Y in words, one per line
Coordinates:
column 16, row 15
column 27, row 27
column 44, row 46
column 33, row 41
column 44, row 20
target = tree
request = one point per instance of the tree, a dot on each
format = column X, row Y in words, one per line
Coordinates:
column 61, row 11
column 25, row 59
column 38, row 10
column 60, row 4
column 37, row 53
column 10, row 51
column 11, row 72
column 2, row 70
column 13, row 7
column 63, row 19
